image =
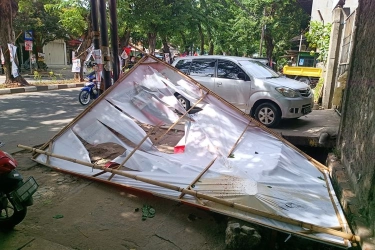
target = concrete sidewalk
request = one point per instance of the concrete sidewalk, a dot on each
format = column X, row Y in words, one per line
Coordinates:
column 43, row 87
column 61, row 74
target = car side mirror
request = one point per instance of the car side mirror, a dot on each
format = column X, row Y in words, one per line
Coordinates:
column 241, row 76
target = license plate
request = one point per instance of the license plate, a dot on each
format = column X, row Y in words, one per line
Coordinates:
column 25, row 191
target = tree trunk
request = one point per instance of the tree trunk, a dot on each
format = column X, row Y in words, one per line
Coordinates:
column 8, row 10
column 125, row 38
column 269, row 46
column 201, row 35
column 210, row 44
column 151, row 42
column 166, row 49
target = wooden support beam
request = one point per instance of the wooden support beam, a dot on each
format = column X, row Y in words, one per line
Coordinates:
column 179, row 119
column 240, row 207
column 132, row 152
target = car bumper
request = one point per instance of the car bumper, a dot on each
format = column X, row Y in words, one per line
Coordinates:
column 297, row 108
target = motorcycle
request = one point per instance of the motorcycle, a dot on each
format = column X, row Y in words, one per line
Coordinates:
column 90, row 91
column 15, row 193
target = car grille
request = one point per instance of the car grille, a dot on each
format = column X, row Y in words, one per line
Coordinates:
column 305, row 92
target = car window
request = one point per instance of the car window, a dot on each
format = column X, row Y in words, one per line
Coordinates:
column 228, row 70
column 184, row 65
column 203, row 67
column 258, row 69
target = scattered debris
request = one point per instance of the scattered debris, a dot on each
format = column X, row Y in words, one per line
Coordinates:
column 147, row 212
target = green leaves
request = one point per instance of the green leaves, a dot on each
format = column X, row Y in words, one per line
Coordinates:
column 319, row 37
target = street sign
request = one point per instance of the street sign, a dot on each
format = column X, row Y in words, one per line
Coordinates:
column 29, row 35
column 29, row 45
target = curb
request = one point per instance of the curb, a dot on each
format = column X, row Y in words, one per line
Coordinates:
column 7, row 91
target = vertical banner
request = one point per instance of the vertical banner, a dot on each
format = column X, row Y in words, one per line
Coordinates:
column 76, row 65
column 121, row 64
column 89, row 52
column 88, row 57
column 29, row 45
column 98, row 60
column 2, row 58
column 12, row 52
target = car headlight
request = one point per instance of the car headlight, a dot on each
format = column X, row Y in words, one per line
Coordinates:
column 287, row 92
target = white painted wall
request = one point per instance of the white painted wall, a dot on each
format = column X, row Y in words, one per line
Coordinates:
column 55, row 53
column 326, row 7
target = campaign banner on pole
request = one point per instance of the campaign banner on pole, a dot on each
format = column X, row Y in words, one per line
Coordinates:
column 98, row 59
column 89, row 52
column 29, row 45
column 2, row 58
column 76, row 65
column 12, row 52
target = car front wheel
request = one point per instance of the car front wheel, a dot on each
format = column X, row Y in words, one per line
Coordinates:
column 268, row 114
column 184, row 102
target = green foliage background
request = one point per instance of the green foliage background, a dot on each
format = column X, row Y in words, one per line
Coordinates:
column 232, row 27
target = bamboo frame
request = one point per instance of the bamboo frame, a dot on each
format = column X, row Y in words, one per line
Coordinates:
column 308, row 226
column 317, row 164
column 199, row 176
column 331, row 197
column 49, row 150
column 179, row 119
column 238, row 140
column 314, row 162
column 88, row 109
column 212, row 162
column 132, row 152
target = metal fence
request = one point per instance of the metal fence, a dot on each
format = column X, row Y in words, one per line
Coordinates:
column 347, row 43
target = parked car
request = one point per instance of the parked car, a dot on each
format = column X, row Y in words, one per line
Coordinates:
column 250, row 85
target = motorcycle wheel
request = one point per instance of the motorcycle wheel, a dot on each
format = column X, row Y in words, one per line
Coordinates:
column 84, row 97
column 9, row 216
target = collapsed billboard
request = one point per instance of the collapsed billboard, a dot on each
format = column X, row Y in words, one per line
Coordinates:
column 222, row 159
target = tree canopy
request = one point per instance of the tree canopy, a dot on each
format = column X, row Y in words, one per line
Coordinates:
column 233, row 27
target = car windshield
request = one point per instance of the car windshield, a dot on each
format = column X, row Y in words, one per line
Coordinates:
column 258, row 69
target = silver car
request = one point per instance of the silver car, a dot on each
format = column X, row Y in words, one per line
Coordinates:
column 250, row 85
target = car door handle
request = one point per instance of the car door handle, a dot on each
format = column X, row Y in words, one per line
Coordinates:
column 219, row 83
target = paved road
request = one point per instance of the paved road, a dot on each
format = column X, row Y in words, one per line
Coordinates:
column 34, row 118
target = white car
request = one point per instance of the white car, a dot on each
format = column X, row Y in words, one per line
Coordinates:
column 250, row 85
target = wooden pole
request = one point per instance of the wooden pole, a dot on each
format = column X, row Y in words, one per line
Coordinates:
column 199, row 176
column 238, row 140
column 132, row 152
column 179, row 119
column 305, row 225
column 212, row 162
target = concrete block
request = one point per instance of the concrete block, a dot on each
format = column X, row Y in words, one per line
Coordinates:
column 54, row 86
column 30, row 89
column 4, row 91
column 71, row 85
column 62, row 86
column 42, row 87
column 17, row 90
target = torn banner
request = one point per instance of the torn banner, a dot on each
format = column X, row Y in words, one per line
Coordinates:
column 230, row 163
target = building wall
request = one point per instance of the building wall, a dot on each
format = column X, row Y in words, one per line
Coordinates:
column 55, row 53
column 357, row 133
column 326, row 7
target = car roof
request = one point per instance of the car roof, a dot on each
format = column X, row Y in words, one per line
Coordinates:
column 232, row 58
